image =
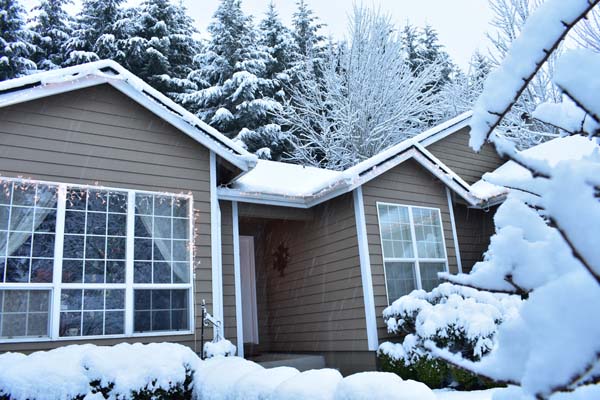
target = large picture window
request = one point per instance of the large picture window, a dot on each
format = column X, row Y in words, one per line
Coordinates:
column 413, row 248
column 83, row 261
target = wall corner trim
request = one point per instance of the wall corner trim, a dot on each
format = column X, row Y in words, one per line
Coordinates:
column 365, row 269
column 238, row 280
column 454, row 234
column 215, row 244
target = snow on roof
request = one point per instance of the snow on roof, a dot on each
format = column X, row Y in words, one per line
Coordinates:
column 553, row 152
column 310, row 185
column 286, row 179
column 62, row 80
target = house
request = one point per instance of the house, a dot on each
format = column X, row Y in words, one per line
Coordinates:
column 121, row 213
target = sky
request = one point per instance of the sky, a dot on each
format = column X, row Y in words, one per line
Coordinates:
column 461, row 24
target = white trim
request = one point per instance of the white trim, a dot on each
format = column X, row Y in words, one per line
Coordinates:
column 415, row 259
column 129, row 276
column 128, row 286
column 238, row 280
column 90, row 74
column 215, row 243
column 365, row 269
column 344, row 184
column 454, row 234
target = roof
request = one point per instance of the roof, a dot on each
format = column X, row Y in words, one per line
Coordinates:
column 552, row 151
column 298, row 186
column 63, row 80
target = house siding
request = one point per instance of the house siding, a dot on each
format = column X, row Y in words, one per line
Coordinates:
column 473, row 228
column 407, row 184
column 98, row 136
column 317, row 305
column 454, row 151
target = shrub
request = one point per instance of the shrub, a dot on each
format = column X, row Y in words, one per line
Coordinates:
column 460, row 319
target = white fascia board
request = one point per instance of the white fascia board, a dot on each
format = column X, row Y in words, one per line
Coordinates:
column 443, row 166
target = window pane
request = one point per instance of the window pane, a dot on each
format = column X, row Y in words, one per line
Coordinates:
column 92, row 312
column 429, row 279
column 400, row 278
column 395, row 231
column 161, row 310
column 428, row 231
column 24, row 313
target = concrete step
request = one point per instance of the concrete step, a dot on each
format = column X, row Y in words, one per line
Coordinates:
column 302, row 362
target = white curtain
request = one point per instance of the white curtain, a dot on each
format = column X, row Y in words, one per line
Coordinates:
column 22, row 221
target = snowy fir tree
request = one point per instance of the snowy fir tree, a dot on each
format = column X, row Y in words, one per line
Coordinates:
column 16, row 47
column 462, row 90
column 546, row 245
column 161, row 47
column 307, row 30
column 100, row 27
column 52, row 27
column 230, row 75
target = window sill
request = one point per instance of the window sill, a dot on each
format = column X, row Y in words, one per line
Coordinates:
column 87, row 338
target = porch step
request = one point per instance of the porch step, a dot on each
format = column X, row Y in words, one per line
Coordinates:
column 302, row 362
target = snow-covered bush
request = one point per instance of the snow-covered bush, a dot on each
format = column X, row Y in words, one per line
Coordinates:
column 547, row 246
column 170, row 371
column 459, row 318
column 124, row 371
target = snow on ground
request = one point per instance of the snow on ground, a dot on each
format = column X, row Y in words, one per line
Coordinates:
column 445, row 394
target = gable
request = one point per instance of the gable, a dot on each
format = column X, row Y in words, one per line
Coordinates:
column 454, row 151
column 100, row 131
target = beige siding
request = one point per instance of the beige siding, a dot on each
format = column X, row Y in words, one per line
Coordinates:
column 474, row 229
column 99, row 136
column 454, row 151
column 407, row 184
column 317, row 305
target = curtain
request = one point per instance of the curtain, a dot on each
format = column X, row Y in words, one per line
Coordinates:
column 23, row 220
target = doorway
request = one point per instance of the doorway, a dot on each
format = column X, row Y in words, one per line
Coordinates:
column 248, row 278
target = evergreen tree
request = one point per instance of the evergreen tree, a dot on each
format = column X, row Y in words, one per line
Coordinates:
column 230, row 75
column 161, row 47
column 52, row 28
column 432, row 51
column 16, row 47
column 100, row 27
column 306, row 32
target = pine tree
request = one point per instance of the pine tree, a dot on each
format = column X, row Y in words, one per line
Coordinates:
column 101, row 26
column 52, row 29
column 230, row 75
column 161, row 47
column 306, row 32
column 432, row 51
column 16, row 47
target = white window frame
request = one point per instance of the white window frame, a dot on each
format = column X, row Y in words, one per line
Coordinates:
column 56, row 285
column 415, row 259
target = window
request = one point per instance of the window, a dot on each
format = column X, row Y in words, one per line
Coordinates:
column 83, row 261
column 413, row 248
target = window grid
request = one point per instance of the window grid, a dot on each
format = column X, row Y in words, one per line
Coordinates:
column 54, row 287
column 422, row 276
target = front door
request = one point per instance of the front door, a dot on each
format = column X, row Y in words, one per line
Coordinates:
column 248, row 278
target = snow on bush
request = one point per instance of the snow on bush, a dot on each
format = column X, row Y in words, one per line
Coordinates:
column 381, row 385
column 122, row 371
column 460, row 318
column 221, row 348
column 164, row 371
